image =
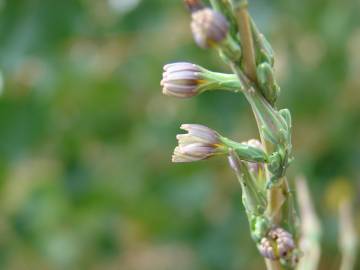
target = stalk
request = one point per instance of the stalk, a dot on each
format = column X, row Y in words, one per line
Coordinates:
column 229, row 28
column 275, row 195
column 243, row 22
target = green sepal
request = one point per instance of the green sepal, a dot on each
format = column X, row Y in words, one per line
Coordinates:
column 274, row 167
column 267, row 83
column 284, row 136
column 219, row 81
column 230, row 50
column 291, row 221
column 278, row 163
column 245, row 151
column 259, row 227
column 264, row 51
column 253, row 200
column 268, row 119
column 268, row 135
column 286, row 115
column 275, row 131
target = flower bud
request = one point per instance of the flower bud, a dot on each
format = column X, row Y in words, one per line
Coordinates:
column 199, row 143
column 262, row 46
column 186, row 80
column 277, row 245
column 209, row 27
column 202, row 142
column 266, row 249
column 267, row 82
column 284, row 241
column 181, row 80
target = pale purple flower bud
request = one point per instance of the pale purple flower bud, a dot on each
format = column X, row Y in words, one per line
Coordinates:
column 278, row 244
column 181, row 80
column 266, row 249
column 284, row 241
column 199, row 143
column 209, row 27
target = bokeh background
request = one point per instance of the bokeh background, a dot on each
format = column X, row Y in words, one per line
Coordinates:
column 86, row 136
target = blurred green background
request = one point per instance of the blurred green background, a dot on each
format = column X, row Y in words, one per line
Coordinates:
column 86, row 136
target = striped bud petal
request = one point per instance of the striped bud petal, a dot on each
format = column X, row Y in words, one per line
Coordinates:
column 181, row 80
column 199, row 143
column 202, row 132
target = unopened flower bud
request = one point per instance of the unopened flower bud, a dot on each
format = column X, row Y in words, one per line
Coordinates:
column 181, row 80
column 277, row 245
column 186, row 80
column 284, row 241
column 202, row 142
column 266, row 249
column 199, row 143
column 209, row 27
column 267, row 82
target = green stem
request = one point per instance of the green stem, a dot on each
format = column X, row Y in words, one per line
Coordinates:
column 271, row 125
column 266, row 115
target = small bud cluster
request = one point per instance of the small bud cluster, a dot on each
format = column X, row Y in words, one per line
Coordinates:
column 284, row 241
column 277, row 245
